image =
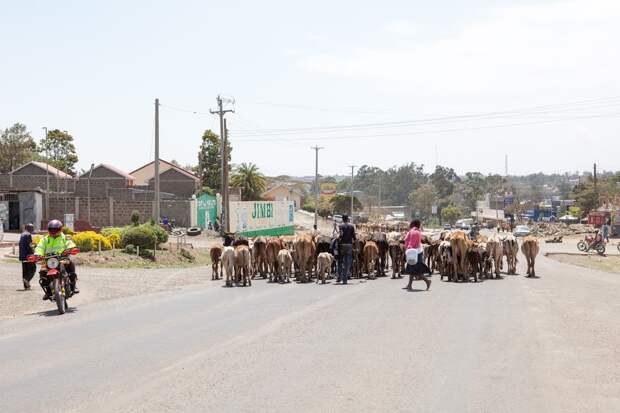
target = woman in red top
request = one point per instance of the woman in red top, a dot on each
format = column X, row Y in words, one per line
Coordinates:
column 414, row 240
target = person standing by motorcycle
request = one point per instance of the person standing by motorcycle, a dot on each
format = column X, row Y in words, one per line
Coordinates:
column 25, row 249
column 55, row 242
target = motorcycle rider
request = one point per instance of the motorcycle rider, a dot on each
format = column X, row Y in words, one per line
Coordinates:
column 55, row 242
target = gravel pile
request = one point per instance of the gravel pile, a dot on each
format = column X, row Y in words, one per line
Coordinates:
column 545, row 229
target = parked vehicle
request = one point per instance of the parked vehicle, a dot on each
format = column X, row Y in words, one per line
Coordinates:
column 60, row 285
column 521, row 231
column 592, row 241
column 447, row 227
column 338, row 219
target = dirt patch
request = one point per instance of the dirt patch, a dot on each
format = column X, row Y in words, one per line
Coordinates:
column 610, row 263
column 177, row 258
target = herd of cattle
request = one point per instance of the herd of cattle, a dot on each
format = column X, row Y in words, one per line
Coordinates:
column 309, row 256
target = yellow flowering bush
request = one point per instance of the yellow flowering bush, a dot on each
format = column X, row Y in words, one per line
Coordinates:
column 89, row 241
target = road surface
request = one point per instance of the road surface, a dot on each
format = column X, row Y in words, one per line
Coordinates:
column 511, row 345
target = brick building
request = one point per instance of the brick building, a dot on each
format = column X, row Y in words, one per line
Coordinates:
column 105, row 196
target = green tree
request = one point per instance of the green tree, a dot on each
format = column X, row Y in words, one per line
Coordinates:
column 575, row 211
column 444, row 180
column 250, row 180
column 16, row 147
column 341, row 204
column 451, row 214
column 58, row 150
column 210, row 160
column 586, row 197
column 474, row 185
column 423, row 198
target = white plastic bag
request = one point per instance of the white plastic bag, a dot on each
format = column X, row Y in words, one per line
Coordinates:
column 412, row 255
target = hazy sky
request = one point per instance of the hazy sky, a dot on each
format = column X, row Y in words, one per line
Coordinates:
column 95, row 68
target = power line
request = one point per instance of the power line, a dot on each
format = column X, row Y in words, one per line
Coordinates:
column 319, row 109
column 409, row 133
column 535, row 110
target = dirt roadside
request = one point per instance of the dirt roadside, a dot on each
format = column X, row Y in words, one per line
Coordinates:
column 96, row 284
column 610, row 263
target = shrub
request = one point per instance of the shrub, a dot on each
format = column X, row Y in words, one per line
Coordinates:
column 67, row 231
column 148, row 254
column 130, row 249
column 135, row 218
column 141, row 236
column 113, row 235
column 160, row 233
column 89, row 241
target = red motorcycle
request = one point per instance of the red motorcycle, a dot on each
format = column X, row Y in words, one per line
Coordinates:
column 59, row 283
column 590, row 242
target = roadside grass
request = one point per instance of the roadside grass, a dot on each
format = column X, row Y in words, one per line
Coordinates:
column 610, row 263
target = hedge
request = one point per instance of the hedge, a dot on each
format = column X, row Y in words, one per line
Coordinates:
column 141, row 236
column 89, row 241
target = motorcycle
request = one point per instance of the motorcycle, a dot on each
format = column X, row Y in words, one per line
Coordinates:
column 59, row 282
column 590, row 242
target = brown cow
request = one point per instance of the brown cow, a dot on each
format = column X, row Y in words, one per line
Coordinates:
column 243, row 264
column 511, row 248
column 371, row 254
column 274, row 245
column 285, row 262
column 357, row 264
column 228, row 262
column 324, row 266
column 259, row 256
column 496, row 254
column 304, row 251
column 458, row 245
column 380, row 239
column 530, row 249
column 397, row 255
column 216, row 262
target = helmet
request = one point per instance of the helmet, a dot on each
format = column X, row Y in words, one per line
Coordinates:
column 54, row 227
column 29, row 227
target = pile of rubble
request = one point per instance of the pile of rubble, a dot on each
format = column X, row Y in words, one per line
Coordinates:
column 545, row 229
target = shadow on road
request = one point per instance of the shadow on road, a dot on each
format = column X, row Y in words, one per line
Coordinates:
column 413, row 290
column 54, row 312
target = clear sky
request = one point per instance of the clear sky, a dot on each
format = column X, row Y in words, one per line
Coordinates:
column 95, row 68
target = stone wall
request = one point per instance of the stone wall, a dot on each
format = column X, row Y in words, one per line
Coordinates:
column 112, row 212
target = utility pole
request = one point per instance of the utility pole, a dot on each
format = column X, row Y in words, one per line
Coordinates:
column 226, row 199
column 224, row 158
column 156, row 210
column 595, row 178
column 47, row 178
column 352, row 177
column 316, row 184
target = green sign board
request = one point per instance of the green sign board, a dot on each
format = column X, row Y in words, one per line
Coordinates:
column 207, row 210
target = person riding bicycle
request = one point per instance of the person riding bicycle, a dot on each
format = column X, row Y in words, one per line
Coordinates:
column 55, row 242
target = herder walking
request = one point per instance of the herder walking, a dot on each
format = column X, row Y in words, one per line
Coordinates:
column 345, row 239
column 415, row 265
column 25, row 249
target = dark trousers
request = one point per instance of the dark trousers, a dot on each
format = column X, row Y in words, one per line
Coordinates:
column 346, row 257
column 28, row 270
column 45, row 282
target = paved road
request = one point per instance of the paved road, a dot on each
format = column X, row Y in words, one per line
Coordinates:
column 511, row 345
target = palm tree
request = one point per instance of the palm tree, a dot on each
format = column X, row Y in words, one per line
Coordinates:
column 250, row 180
